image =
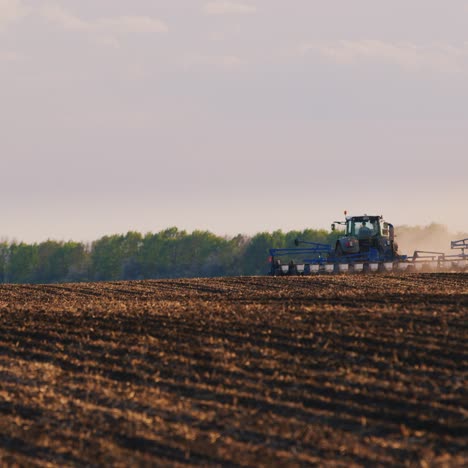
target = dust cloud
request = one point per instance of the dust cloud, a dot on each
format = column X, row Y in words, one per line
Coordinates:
column 434, row 237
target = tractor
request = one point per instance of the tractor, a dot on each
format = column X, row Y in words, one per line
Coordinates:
column 366, row 235
column 367, row 246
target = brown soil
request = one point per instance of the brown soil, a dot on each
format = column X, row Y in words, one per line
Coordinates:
column 340, row 371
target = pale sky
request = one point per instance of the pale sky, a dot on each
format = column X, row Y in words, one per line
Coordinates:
column 233, row 116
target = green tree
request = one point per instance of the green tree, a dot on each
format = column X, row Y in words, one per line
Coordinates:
column 129, row 253
column 256, row 254
column 106, row 258
column 23, row 263
column 4, row 261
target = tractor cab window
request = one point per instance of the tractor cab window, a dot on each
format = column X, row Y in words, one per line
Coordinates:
column 363, row 228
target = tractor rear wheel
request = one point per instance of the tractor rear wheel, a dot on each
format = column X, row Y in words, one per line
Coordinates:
column 339, row 251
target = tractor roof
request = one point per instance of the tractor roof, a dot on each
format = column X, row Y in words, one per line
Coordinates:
column 363, row 218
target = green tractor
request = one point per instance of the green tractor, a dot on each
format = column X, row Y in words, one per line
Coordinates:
column 369, row 236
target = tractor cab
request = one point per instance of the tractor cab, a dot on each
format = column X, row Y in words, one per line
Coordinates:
column 362, row 227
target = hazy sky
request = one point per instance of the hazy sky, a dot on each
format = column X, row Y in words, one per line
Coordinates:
column 233, row 116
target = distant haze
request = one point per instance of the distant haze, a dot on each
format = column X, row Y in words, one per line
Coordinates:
column 230, row 115
column 433, row 238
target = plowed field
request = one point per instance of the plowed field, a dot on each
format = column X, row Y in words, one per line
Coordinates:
column 342, row 370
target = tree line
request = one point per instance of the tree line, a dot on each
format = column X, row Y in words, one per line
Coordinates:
column 171, row 253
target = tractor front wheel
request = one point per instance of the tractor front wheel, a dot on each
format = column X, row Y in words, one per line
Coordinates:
column 339, row 251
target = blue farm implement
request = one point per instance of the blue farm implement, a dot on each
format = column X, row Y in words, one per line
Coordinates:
column 441, row 261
